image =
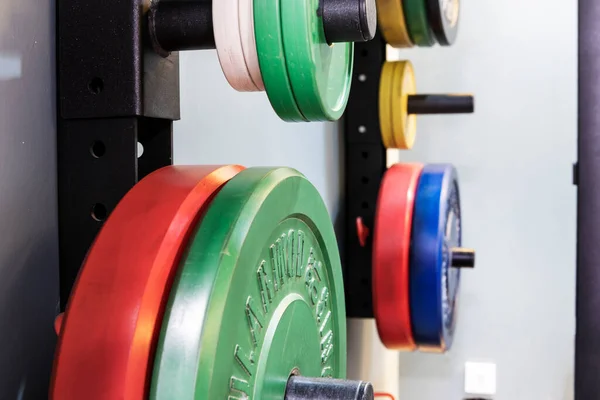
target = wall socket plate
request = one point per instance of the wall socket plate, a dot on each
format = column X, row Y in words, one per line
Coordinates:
column 480, row 378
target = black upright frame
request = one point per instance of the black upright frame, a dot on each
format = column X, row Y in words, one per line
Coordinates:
column 365, row 165
column 115, row 95
column 587, row 339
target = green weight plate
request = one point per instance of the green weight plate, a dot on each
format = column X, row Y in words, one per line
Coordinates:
column 419, row 29
column 320, row 73
column 271, row 59
column 259, row 294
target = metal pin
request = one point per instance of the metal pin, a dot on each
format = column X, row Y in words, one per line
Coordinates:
column 440, row 104
column 462, row 258
column 303, row 388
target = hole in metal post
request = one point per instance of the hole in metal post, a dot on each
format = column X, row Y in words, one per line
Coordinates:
column 96, row 85
column 99, row 212
column 98, row 149
column 140, row 150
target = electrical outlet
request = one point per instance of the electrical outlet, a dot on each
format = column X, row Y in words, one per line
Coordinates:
column 480, row 378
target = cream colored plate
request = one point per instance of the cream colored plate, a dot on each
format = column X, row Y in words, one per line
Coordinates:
column 228, row 41
column 246, row 22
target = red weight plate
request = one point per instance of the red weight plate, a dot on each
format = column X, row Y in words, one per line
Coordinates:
column 113, row 318
column 391, row 244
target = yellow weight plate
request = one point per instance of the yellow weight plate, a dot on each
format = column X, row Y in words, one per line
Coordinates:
column 392, row 23
column 404, row 124
column 395, row 82
column 385, row 104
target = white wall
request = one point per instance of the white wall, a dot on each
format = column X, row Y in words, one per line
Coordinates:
column 514, row 158
column 220, row 125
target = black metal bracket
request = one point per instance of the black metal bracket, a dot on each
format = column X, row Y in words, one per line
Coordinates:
column 176, row 25
column 116, row 97
column 365, row 165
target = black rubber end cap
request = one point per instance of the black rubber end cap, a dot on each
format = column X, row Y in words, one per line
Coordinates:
column 349, row 20
column 366, row 392
column 463, row 258
column 368, row 19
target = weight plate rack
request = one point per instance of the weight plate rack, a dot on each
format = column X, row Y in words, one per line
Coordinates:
column 117, row 96
column 365, row 165
column 114, row 96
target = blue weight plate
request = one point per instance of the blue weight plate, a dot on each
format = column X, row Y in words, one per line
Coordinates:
column 436, row 230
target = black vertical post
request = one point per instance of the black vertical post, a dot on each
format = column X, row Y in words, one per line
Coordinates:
column 115, row 97
column 587, row 342
column 365, row 165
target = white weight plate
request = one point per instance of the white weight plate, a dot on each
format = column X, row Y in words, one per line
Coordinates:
column 228, row 41
column 246, row 19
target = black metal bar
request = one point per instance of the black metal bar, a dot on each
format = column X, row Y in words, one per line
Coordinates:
column 349, row 20
column 440, row 104
column 303, row 388
column 87, row 150
column 176, row 25
column 181, row 25
column 587, row 341
column 114, row 92
column 462, row 258
column 365, row 164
